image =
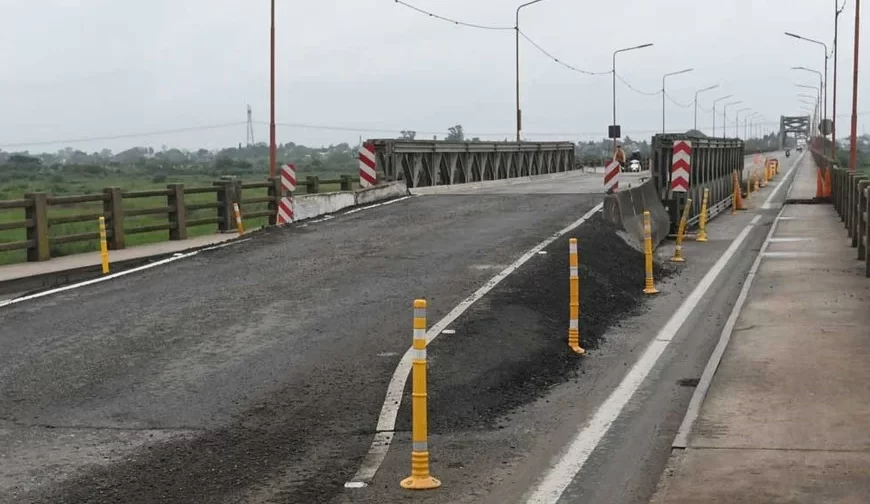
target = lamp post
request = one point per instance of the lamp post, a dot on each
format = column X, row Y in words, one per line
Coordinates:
column 853, row 141
column 613, row 72
column 818, row 98
column 696, row 101
column 714, row 110
column 273, row 148
column 517, row 33
column 825, row 106
column 665, row 76
column 837, row 13
column 737, row 122
column 725, row 116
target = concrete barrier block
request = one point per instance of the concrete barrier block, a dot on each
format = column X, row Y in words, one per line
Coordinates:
column 625, row 210
column 309, row 206
column 380, row 193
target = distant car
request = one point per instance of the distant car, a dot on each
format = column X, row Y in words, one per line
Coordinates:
column 634, row 166
column 800, row 148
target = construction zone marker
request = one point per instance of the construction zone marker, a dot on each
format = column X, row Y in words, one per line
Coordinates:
column 574, row 298
column 702, row 220
column 649, row 284
column 420, row 478
column 104, row 248
column 681, row 230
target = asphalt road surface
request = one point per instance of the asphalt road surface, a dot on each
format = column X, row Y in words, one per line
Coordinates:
column 256, row 372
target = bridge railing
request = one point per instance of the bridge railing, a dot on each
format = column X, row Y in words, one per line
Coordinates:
column 713, row 162
column 850, row 194
column 422, row 163
column 51, row 221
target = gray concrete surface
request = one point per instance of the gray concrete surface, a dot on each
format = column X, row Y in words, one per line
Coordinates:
column 786, row 416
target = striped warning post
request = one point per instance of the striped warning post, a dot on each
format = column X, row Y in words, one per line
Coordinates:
column 611, row 177
column 285, row 211
column 367, row 166
column 288, row 177
column 681, row 166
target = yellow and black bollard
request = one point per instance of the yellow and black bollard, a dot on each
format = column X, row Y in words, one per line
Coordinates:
column 238, row 213
column 104, row 248
column 420, row 478
column 702, row 219
column 574, row 299
column 649, row 285
column 681, row 231
column 736, row 189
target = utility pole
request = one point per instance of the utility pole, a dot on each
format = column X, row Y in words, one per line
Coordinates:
column 853, row 147
column 837, row 13
column 273, row 148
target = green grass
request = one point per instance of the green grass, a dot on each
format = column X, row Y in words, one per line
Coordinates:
column 96, row 185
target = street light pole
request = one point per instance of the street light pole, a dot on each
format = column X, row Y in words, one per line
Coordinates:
column 825, row 46
column 853, row 145
column 724, row 116
column 696, row 101
column 837, row 13
column 737, row 122
column 665, row 76
column 613, row 72
column 714, row 111
column 517, row 33
column 273, row 148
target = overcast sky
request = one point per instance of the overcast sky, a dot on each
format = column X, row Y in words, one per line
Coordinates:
column 75, row 69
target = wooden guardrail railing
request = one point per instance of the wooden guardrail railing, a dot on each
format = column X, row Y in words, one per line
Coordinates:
column 38, row 219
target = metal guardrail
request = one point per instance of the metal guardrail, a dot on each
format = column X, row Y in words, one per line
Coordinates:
column 422, row 163
column 38, row 219
column 713, row 162
column 850, row 194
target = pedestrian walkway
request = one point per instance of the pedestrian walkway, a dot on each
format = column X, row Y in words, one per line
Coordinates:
column 787, row 415
column 89, row 259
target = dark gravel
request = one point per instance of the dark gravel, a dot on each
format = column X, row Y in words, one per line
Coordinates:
column 511, row 346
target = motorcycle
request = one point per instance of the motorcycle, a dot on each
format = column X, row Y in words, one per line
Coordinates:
column 787, row 153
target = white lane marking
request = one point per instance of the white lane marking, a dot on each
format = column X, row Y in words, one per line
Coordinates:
column 387, row 419
column 448, row 331
column 572, row 460
column 768, row 203
column 682, row 438
column 792, row 255
column 173, row 258
column 791, row 239
column 355, row 210
column 756, row 220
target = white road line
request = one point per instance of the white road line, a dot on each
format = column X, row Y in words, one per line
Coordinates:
column 112, row 276
column 355, row 210
column 390, row 409
column 791, row 239
column 682, row 438
column 572, row 460
column 768, row 203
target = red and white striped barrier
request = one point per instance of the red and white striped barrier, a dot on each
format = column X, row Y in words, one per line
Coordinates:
column 288, row 177
column 367, row 163
column 611, row 177
column 681, row 166
column 285, row 211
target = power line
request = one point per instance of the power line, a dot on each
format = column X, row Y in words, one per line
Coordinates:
column 557, row 60
column 675, row 102
column 454, row 21
column 124, row 136
column 636, row 90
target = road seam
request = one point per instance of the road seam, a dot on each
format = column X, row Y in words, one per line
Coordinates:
column 395, row 390
column 551, row 487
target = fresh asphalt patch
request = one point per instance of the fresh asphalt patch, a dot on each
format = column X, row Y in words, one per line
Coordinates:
column 512, row 346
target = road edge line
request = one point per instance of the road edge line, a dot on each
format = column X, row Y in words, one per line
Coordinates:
column 395, row 390
column 552, row 485
column 681, row 440
column 793, row 169
column 176, row 257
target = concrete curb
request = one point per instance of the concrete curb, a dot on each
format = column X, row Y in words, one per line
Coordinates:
column 310, row 206
column 625, row 210
column 492, row 183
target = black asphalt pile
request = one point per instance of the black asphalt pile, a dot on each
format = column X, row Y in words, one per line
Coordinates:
column 511, row 346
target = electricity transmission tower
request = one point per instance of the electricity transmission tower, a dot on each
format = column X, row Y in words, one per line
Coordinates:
column 250, row 140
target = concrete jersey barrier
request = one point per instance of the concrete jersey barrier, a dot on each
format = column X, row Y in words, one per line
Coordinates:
column 309, row 206
column 625, row 210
